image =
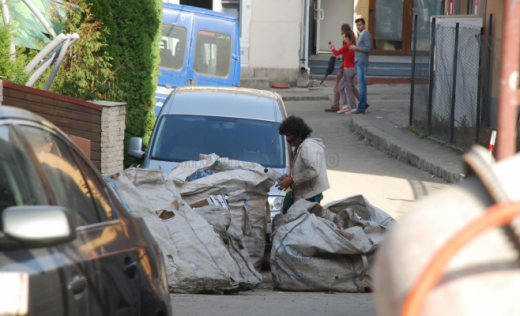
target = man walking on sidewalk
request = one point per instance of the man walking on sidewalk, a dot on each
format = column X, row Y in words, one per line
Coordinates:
column 361, row 63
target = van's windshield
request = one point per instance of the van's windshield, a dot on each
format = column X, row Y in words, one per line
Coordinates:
column 181, row 138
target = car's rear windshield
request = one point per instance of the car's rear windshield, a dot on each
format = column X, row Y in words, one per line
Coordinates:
column 181, row 138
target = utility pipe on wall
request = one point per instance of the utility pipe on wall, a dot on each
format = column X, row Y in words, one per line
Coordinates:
column 509, row 82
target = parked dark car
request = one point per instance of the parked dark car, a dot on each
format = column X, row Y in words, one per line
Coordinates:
column 63, row 228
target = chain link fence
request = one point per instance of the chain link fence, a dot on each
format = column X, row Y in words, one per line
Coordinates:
column 456, row 100
column 421, row 74
column 456, row 81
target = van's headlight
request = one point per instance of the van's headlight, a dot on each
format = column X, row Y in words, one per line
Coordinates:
column 276, row 203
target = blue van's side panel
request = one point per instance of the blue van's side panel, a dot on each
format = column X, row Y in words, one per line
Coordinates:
column 194, row 19
column 204, row 24
column 236, row 59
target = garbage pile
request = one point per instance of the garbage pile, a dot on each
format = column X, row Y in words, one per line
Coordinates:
column 203, row 248
column 244, row 184
column 327, row 248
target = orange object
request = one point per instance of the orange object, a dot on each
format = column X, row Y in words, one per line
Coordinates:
column 82, row 143
column 280, row 86
column 495, row 216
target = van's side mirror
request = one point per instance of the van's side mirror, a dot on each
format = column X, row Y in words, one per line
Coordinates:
column 135, row 147
column 38, row 226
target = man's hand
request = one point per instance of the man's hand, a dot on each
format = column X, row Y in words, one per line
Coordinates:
column 353, row 47
column 285, row 183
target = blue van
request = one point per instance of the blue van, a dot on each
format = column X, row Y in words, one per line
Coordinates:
column 199, row 47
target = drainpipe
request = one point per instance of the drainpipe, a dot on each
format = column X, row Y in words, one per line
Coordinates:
column 304, row 40
column 307, row 35
column 7, row 21
column 39, row 72
column 302, row 36
column 509, row 82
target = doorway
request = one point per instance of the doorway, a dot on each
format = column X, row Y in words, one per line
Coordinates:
column 328, row 17
column 205, row 4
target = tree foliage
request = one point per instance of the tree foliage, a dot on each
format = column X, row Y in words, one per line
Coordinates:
column 116, row 58
column 87, row 72
column 11, row 67
column 124, row 34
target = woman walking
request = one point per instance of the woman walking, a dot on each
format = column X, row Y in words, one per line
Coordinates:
column 339, row 84
column 349, row 71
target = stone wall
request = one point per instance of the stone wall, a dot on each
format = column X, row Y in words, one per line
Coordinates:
column 113, row 117
column 100, row 122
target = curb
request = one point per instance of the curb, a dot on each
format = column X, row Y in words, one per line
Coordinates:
column 390, row 145
column 305, row 98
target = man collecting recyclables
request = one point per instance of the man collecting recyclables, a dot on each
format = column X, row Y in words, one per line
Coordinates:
column 308, row 171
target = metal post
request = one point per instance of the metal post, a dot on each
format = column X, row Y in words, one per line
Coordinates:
column 509, row 83
column 487, row 117
column 44, row 52
column 454, row 89
column 414, row 53
column 432, row 61
column 478, row 117
column 74, row 37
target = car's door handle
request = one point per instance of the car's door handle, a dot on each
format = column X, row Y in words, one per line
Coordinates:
column 78, row 285
column 131, row 269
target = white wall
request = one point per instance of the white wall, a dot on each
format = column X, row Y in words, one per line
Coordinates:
column 336, row 12
column 217, row 5
column 275, row 34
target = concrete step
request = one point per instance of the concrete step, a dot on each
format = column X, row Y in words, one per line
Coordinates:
column 370, row 79
column 381, row 69
column 261, row 83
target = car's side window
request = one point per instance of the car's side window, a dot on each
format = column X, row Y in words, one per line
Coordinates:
column 20, row 183
column 98, row 189
column 67, row 182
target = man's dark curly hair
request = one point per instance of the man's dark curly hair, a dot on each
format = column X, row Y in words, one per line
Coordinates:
column 294, row 126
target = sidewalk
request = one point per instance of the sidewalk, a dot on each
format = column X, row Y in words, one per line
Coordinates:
column 383, row 126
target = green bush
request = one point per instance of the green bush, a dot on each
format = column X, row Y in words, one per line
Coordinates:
column 87, row 71
column 116, row 58
column 133, row 34
column 11, row 67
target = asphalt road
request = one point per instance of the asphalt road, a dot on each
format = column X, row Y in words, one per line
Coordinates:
column 353, row 168
column 356, row 168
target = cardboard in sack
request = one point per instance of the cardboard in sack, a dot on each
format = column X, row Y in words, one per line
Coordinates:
column 198, row 259
column 311, row 253
column 247, row 186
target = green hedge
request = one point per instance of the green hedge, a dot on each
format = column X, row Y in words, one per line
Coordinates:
column 116, row 59
column 127, row 39
column 11, row 67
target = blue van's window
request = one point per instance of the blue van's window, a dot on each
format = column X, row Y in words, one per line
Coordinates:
column 173, row 46
column 182, row 138
column 212, row 54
